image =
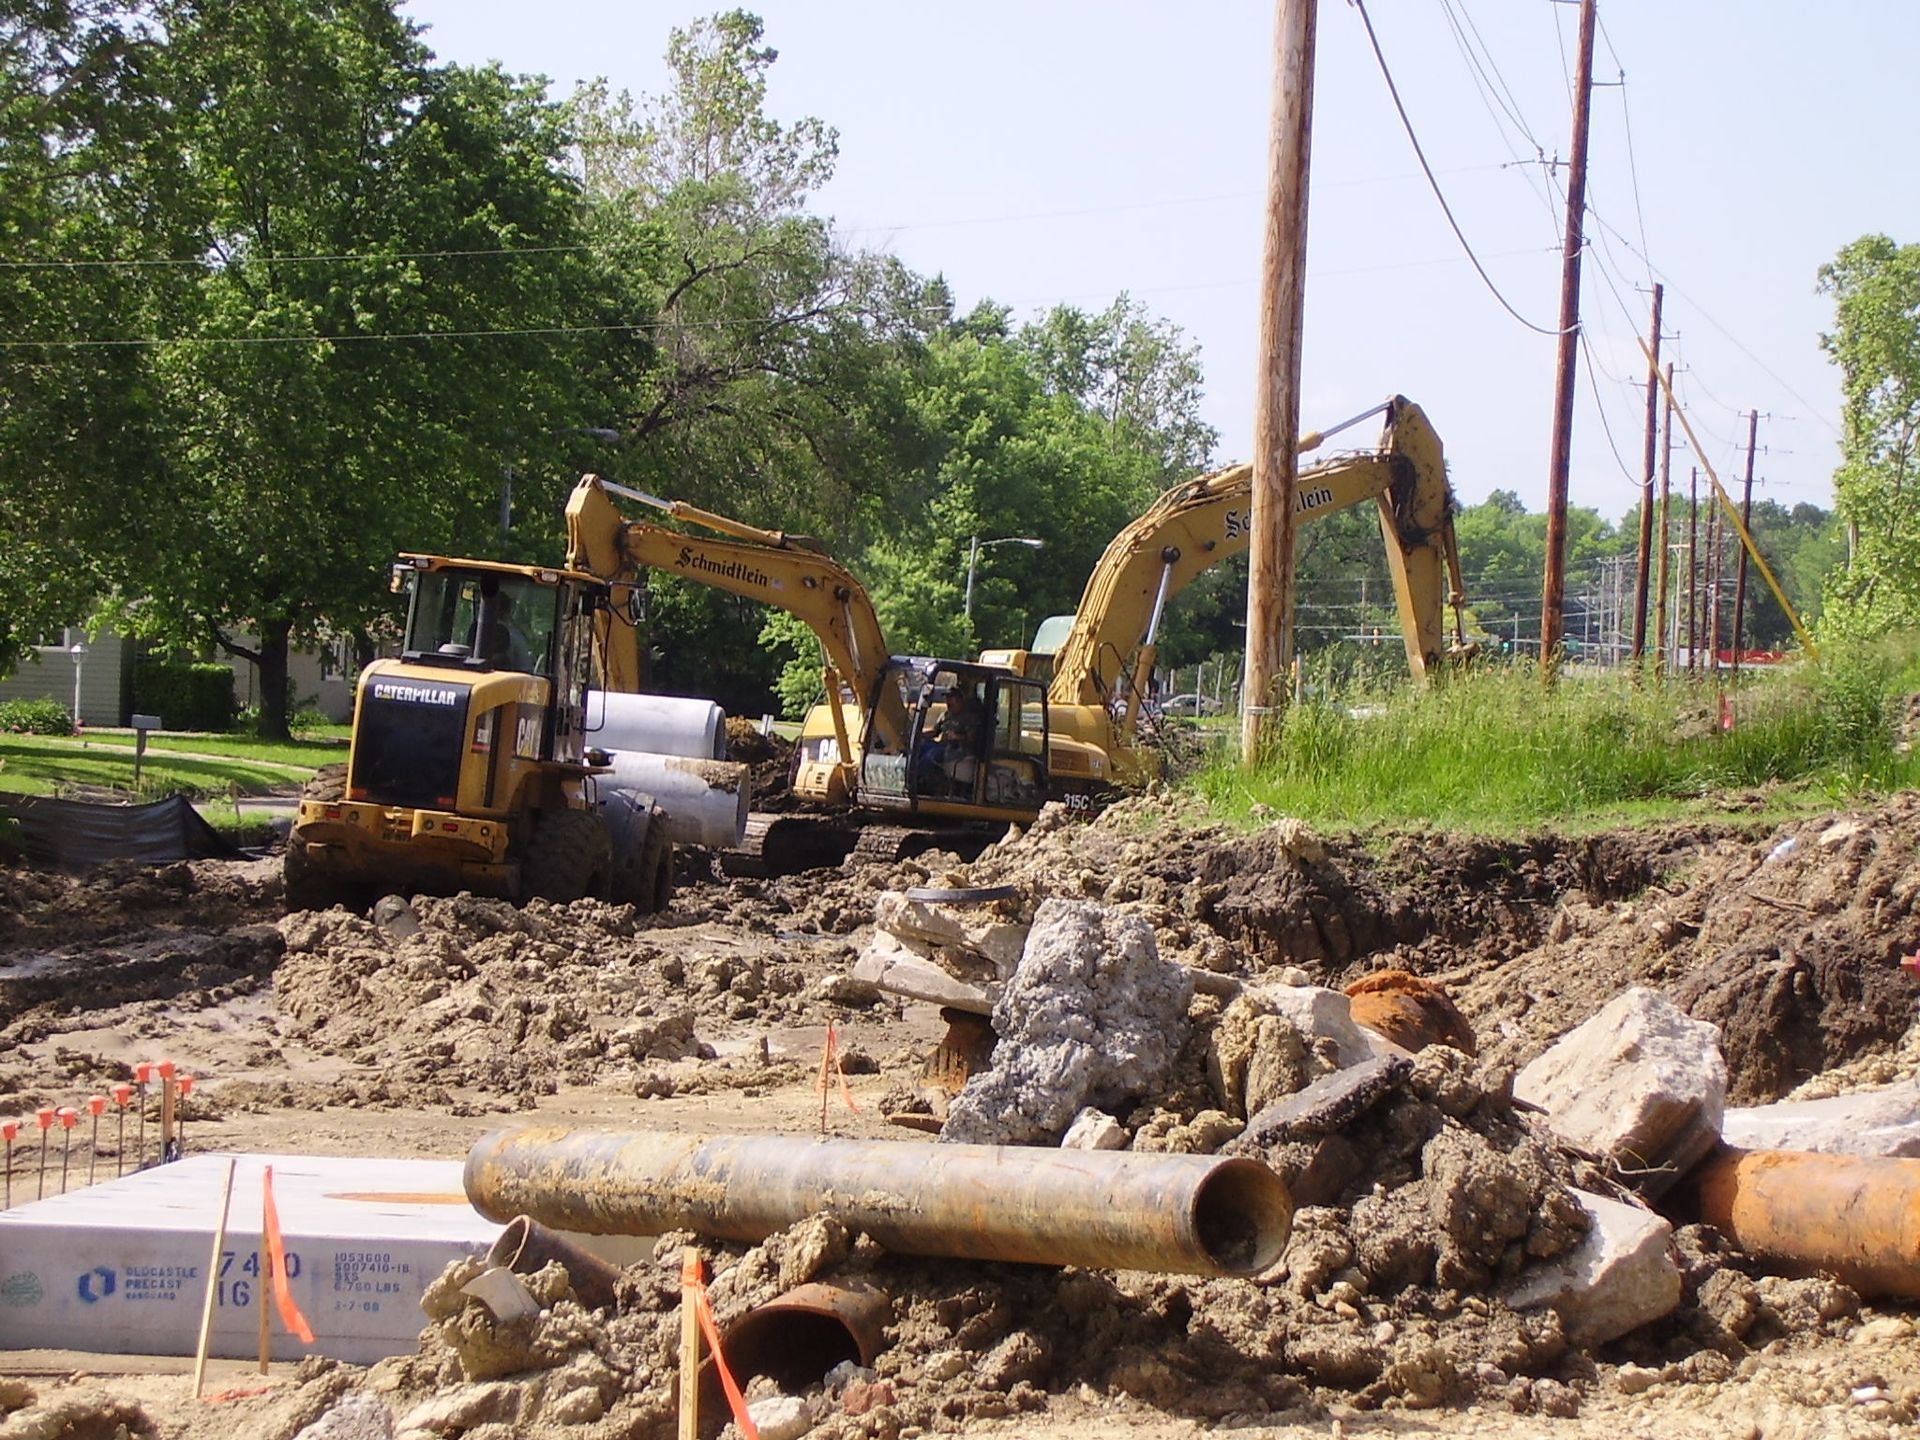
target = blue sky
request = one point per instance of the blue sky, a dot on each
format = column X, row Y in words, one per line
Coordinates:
column 1041, row 153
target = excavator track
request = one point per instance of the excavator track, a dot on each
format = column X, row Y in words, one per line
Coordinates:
column 890, row 844
column 787, row 844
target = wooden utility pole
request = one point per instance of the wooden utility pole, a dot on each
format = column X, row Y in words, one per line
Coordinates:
column 1693, row 572
column 1646, row 488
column 1276, row 421
column 1714, row 569
column 1553, row 601
column 1746, row 523
column 1666, row 506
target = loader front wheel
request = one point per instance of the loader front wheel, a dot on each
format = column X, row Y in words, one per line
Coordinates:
column 568, row 856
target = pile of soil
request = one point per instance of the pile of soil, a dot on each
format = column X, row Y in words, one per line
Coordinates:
column 1787, row 937
column 770, row 758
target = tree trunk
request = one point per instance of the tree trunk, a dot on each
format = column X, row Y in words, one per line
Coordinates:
column 272, row 669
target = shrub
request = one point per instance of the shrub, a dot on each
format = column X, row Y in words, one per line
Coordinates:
column 35, row 717
column 186, row 695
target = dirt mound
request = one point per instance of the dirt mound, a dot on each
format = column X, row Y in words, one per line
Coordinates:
column 1788, row 939
column 446, row 1000
column 770, row 758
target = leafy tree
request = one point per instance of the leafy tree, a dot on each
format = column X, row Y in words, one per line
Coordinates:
column 85, row 175
column 1875, row 285
column 358, row 357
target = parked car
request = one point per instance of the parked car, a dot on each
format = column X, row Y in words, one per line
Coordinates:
column 1189, row 705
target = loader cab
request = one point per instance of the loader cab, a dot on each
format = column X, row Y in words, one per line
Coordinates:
column 485, row 619
column 952, row 739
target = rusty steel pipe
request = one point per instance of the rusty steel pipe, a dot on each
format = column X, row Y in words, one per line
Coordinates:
column 1104, row 1209
column 526, row 1246
column 1858, row 1218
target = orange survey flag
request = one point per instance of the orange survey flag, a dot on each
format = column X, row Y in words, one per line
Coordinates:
column 290, row 1315
column 693, row 1291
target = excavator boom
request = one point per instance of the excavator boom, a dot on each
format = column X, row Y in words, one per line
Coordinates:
column 1108, row 652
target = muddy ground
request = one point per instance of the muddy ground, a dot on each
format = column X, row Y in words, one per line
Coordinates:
column 418, row 1029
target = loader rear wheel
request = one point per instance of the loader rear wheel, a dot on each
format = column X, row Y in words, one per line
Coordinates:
column 569, row 855
column 307, row 887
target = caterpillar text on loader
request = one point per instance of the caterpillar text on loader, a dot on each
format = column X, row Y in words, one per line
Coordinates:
column 484, row 759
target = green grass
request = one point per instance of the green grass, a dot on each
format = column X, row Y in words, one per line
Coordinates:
column 38, row 765
column 1494, row 751
column 310, row 750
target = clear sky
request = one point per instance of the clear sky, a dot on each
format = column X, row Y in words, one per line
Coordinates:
column 1056, row 151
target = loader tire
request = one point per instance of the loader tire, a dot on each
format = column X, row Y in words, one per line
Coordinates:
column 328, row 785
column 569, row 856
column 306, row 886
column 643, row 875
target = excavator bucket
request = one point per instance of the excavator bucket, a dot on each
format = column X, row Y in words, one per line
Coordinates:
column 963, row 1052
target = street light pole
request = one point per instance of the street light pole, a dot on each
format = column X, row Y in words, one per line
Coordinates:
column 975, row 545
column 78, row 652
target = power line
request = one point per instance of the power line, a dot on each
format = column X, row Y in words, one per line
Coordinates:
column 208, row 262
column 1433, row 183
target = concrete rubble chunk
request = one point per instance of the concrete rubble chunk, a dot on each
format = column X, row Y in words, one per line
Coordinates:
column 1617, row 1279
column 493, row 1402
column 1092, row 1016
column 1094, row 1130
column 358, row 1416
column 1883, row 1123
column 899, row 968
column 1639, row 1083
column 780, row 1417
column 975, row 928
column 1329, row 1104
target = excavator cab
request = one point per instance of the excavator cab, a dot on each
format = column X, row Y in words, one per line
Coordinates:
column 948, row 738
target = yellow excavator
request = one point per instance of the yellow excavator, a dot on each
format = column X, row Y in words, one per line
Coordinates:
column 922, row 751
column 483, row 758
column 1099, row 660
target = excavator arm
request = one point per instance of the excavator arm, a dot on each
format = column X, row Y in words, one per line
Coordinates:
column 1109, row 651
column 788, row 572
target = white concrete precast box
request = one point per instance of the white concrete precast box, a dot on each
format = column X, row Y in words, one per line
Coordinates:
column 121, row 1267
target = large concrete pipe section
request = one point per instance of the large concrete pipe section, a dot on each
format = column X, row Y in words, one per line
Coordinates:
column 701, row 802
column 659, row 724
column 1104, row 1209
column 1855, row 1217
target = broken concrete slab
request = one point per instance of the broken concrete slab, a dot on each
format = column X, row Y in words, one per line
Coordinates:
column 897, row 967
column 1640, row 1084
column 1092, row 1016
column 1884, row 1122
column 1329, row 1104
column 1617, row 1279
column 976, row 928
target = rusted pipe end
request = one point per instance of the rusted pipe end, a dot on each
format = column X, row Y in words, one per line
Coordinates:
column 525, row 1246
column 1242, row 1216
column 798, row 1337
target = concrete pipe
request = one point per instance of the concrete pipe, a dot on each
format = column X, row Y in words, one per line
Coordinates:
column 701, row 802
column 1857, row 1218
column 526, row 1246
column 1112, row 1209
column 661, row 724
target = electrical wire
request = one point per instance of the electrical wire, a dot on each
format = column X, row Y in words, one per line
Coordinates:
column 1434, row 184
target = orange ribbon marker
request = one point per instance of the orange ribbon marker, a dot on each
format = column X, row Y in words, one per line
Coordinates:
column 142, row 1073
column 830, row 1065
column 183, row 1087
column 290, row 1315
column 122, row 1092
column 693, row 1291
column 9, row 1132
column 69, row 1117
column 96, row 1107
column 43, row 1117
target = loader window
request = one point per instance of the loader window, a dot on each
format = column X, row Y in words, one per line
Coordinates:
column 482, row 620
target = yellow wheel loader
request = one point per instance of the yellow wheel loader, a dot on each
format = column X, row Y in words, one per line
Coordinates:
column 484, row 759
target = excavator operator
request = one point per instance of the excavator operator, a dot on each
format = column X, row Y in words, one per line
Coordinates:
column 955, row 749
